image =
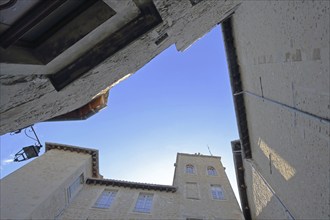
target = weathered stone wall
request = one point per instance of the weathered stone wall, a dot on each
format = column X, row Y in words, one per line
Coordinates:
column 38, row 190
column 283, row 53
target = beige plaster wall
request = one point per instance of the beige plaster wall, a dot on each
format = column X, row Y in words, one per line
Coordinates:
column 283, row 52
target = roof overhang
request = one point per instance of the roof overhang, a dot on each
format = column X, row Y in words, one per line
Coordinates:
column 236, row 86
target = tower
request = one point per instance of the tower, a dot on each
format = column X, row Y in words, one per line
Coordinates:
column 203, row 189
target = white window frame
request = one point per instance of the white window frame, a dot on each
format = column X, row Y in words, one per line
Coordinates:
column 106, row 199
column 144, row 203
column 217, row 192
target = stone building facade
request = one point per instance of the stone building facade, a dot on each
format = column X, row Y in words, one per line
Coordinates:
column 64, row 183
column 278, row 56
column 278, row 53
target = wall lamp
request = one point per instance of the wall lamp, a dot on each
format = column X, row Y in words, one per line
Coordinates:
column 29, row 151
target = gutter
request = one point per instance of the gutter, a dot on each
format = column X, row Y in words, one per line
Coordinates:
column 241, row 148
column 239, row 170
column 236, row 86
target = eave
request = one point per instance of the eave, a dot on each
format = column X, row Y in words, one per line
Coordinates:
column 236, row 86
column 94, row 153
column 131, row 185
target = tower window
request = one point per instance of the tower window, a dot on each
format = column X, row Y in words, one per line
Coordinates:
column 75, row 187
column 105, row 199
column 190, row 169
column 192, row 191
column 211, row 171
column 143, row 203
column 217, row 192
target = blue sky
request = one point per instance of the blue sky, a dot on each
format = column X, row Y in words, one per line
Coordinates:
column 178, row 102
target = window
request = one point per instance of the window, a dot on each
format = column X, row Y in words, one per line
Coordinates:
column 217, row 192
column 192, row 191
column 105, row 199
column 75, row 187
column 190, row 169
column 211, row 171
column 143, row 203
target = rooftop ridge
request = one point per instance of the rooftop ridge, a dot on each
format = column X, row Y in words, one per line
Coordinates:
column 198, row 154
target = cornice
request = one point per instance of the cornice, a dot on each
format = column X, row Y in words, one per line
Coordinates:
column 94, row 153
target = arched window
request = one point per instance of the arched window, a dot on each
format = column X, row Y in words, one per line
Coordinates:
column 211, row 171
column 190, row 169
